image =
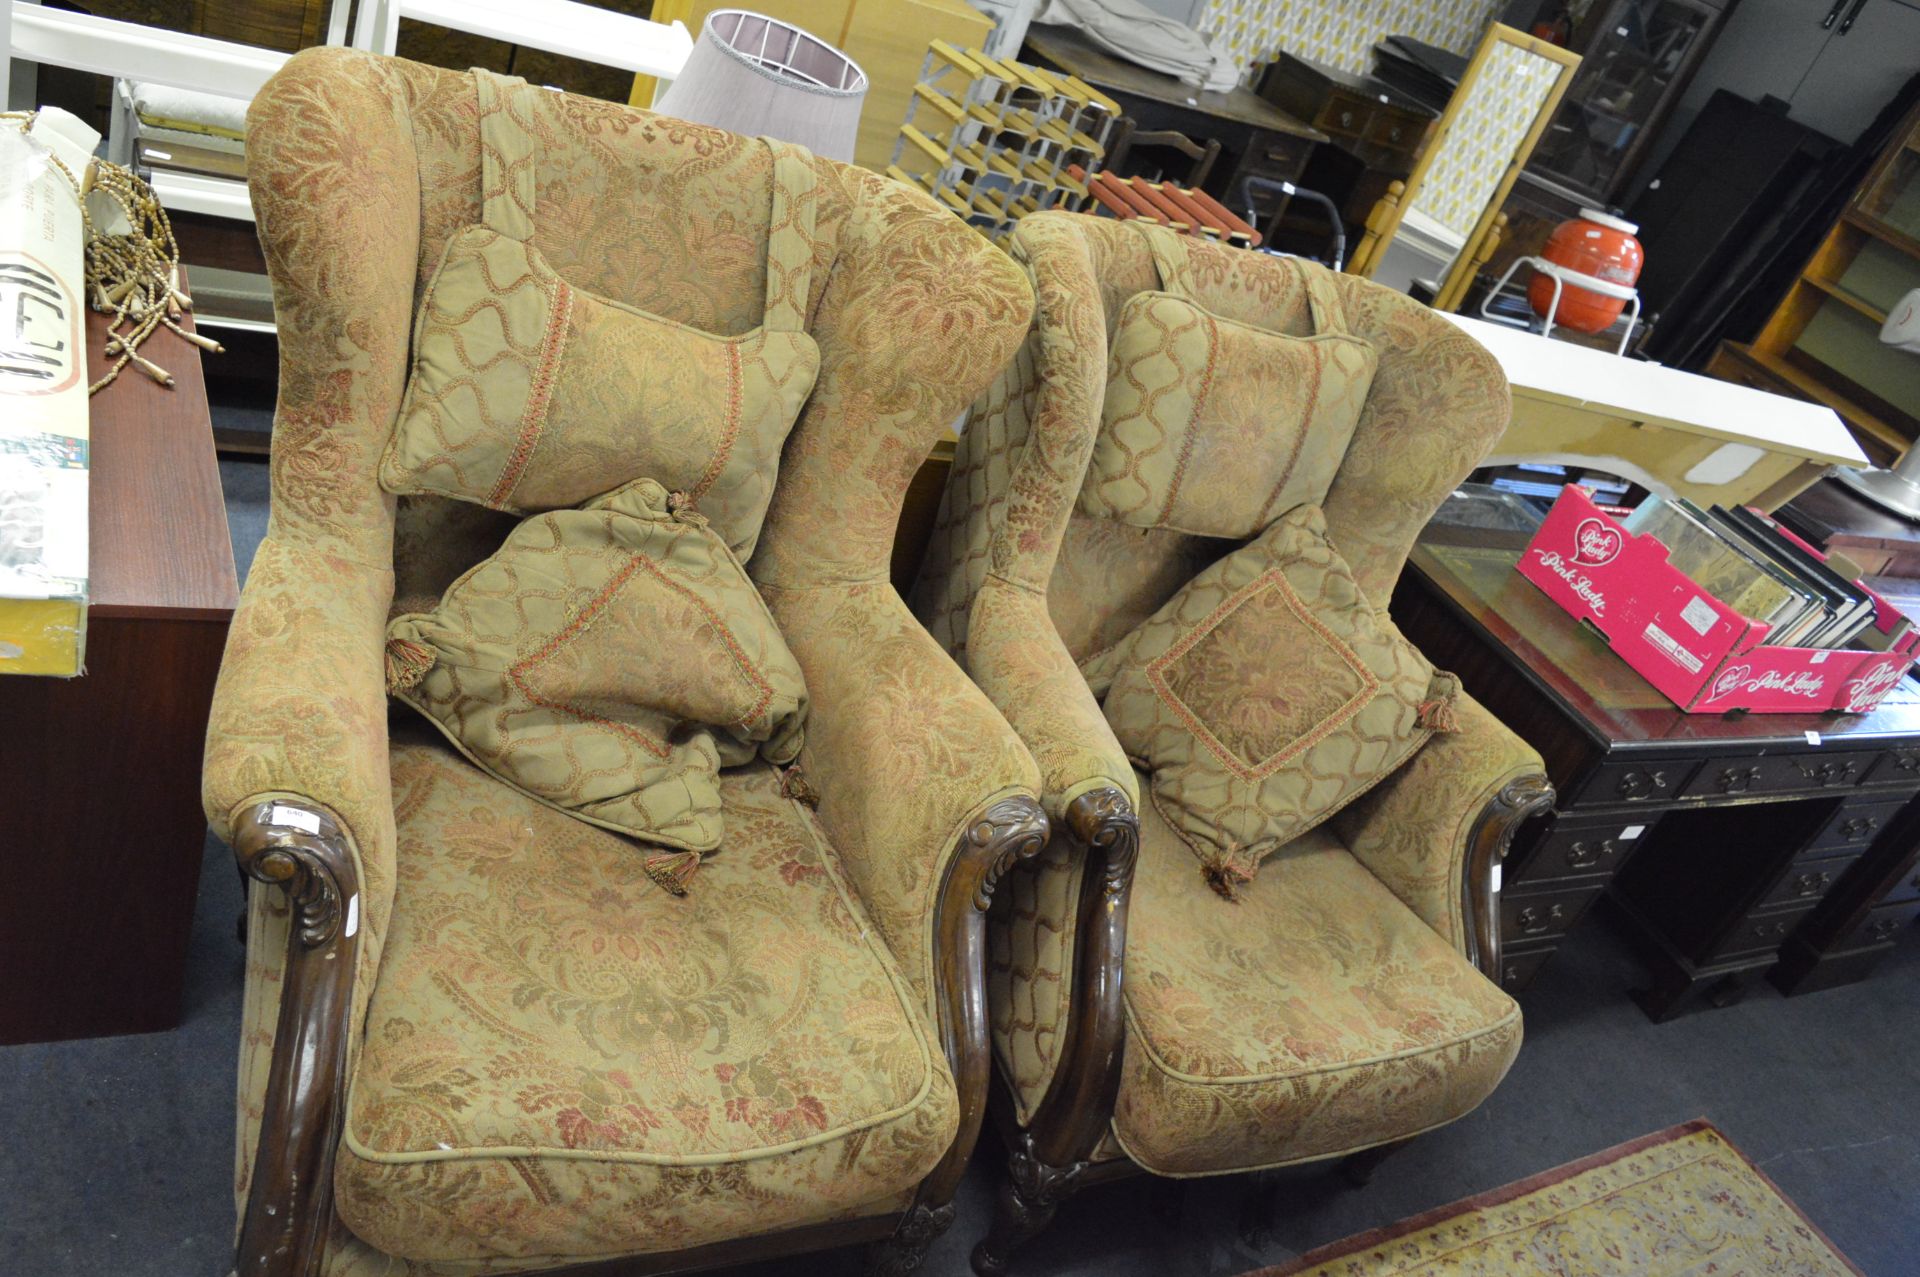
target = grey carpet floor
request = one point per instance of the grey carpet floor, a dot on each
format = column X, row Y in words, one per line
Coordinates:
column 116, row 1154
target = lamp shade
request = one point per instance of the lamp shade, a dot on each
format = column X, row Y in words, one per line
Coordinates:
column 752, row 74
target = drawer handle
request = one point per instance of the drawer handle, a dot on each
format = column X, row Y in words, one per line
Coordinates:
column 1810, row 884
column 1770, row 931
column 1827, row 773
column 1636, row 785
column 1736, row 780
column 1533, row 920
column 1883, row 928
column 1585, row 855
column 1393, row 134
column 1906, row 760
column 1346, row 119
column 1854, row 828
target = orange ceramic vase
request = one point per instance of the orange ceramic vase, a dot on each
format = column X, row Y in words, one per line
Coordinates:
column 1594, row 244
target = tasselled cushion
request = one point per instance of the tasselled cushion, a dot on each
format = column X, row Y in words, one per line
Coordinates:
column 527, row 394
column 1212, row 426
column 608, row 662
column 1267, row 694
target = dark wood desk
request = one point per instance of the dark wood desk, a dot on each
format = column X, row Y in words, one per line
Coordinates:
column 1256, row 137
column 1714, row 836
column 101, row 830
column 1375, row 132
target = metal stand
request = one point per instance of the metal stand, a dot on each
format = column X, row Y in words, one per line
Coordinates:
column 1562, row 277
column 1896, row 490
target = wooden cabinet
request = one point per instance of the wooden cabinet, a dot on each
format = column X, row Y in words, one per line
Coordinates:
column 1822, row 341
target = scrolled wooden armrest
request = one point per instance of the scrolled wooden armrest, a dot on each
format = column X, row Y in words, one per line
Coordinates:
column 1512, row 805
column 1072, row 1116
column 303, row 851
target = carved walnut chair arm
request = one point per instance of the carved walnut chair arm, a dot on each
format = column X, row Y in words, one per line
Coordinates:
column 1436, row 830
column 1091, row 792
column 928, row 798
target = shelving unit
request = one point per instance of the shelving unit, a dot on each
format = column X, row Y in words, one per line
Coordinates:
column 1822, row 340
column 994, row 140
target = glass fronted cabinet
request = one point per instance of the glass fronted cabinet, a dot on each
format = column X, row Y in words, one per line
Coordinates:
column 1637, row 58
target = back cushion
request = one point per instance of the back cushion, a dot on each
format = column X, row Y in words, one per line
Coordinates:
column 530, row 395
column 1215, row 427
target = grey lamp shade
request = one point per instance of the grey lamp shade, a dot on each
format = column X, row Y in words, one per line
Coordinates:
column 752, row 74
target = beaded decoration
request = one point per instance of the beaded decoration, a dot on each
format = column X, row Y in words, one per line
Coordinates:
column 132, row 275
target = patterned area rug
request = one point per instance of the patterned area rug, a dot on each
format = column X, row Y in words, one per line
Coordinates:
column 1683, row 1202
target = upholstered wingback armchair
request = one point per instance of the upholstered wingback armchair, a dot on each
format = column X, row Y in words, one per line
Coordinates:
column 477, row 1037
column 1344, row 1001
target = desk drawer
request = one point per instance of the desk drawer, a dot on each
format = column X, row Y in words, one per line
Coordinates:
column 1897, row 767
column 1908, row 888
column 1277, row 156
column 1637, row 782
column 1882, row 924
column 1544, row 914
column 1519, row 964
column 1345, row 116
column 1852, row 828
column 1781, row 774
column 1578, row 851
column 1396, row 133
column 1760, row 933
column 1806, row 883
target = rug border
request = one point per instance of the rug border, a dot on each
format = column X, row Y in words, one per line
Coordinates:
column 1505, row 1193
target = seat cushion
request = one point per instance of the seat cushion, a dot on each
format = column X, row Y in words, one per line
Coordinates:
column 1312, row 1016
column 562, row 1061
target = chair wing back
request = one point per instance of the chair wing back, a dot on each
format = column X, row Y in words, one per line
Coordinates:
column 363, row 169
column 1437, row 404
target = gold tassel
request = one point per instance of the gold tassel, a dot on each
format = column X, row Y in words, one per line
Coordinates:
column 407, row 663
column 795, row 785
column 673, row 870
column 1436, row 713
column 681, row 507
column 1226, row 872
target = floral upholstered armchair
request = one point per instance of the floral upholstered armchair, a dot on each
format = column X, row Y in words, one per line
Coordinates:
column 1343, row 1001
column 479, row 1037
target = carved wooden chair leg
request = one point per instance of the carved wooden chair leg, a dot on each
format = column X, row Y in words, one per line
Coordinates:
column 906, row 1250
column 1028, row 1197
column 1358, row 1168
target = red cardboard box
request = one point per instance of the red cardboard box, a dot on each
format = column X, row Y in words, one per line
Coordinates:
column 1706, row 657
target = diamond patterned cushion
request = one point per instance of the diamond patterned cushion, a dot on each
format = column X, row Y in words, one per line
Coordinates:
column 608, row 661
column 1266, row 695
column 1212, row 427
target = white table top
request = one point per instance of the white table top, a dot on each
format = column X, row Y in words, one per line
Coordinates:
column 1581, row 376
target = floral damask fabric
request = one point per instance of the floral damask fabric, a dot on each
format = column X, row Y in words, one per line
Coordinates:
column 1315, row 1016
column 529, row 394
column 1414, row 829
column 1214, row 426
column 558, row 1054
column 608, row 661
column 362, row 170
column 1266, row 695
column 1436, row 403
